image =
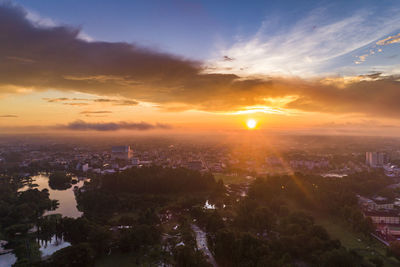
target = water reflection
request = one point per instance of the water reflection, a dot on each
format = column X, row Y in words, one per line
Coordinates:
column 66, row 198
column 48, row 247
column 6, row 260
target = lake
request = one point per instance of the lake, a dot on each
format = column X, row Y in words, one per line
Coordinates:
column 67, row 207
column 6, row 260
column 66, row 198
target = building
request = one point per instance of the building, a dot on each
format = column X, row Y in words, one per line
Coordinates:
column 389, row 231
column 391, row 170
column 384, row 217
column 121, row 152
column 196, row 165
column 375, row 159
column 378, row 203
column 85, row 167
column 135, row 161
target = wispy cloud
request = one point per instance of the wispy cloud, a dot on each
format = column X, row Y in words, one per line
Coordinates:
column 8, row 116
column 115, row 102
column 377, row 47
column 96, row 112
column 306, row 48
column 389, row 40
column 76, row 104
column 62, row 99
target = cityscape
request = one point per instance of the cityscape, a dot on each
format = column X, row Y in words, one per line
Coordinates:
column 31, row 160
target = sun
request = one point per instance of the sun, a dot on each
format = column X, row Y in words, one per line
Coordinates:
column 251, row 123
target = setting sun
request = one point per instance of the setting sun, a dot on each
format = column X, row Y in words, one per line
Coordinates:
column 251, row 123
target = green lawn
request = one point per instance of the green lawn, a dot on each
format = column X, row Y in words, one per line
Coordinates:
column 351, row 240
column 339, row 230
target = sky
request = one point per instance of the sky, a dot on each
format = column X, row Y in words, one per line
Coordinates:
column 310, row 66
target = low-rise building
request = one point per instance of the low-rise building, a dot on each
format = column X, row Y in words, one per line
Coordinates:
column 378, row 203
column 85, row 167
column 196, row 165
column 383, row 217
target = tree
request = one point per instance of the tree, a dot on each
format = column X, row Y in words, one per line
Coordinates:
column 394, row 249
column 77, row 255
column 340, row 258
column 59, row 181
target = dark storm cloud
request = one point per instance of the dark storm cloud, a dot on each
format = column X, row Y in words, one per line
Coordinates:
column 377, row 98
column 80, row 125
column 45, row 58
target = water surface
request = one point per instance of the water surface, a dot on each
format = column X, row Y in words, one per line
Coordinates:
column 47, row 248
column 6, row 260
column 66, row 198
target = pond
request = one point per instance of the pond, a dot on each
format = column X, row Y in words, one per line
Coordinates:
column 66, row 198
column 67, row 207
column 7, row 260
column 47, row 248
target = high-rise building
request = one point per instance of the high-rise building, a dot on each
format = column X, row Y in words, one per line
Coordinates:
column 121, row 152
column 375, row 159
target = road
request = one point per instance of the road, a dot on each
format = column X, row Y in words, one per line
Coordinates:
column 201, row 240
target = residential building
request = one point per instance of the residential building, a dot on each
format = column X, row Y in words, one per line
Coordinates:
column 196, row 165
column 387, row 217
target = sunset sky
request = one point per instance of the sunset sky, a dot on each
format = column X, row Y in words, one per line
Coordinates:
column 196, row 65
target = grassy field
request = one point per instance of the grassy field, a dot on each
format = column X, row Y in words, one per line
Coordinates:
column 367, row 247
column 337, row 229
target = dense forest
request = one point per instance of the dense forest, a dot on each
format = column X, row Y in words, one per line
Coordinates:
column 146, row 188
column 266, row 228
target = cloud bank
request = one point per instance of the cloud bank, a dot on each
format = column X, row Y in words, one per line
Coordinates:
column 35, row 58
column 80, row 125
